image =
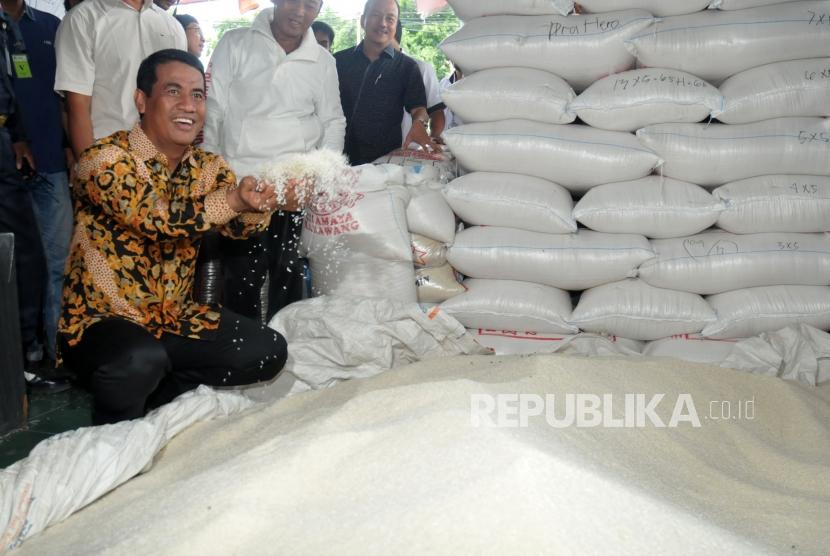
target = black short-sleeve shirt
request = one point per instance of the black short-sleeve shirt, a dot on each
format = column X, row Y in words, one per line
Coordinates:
column 374, row 96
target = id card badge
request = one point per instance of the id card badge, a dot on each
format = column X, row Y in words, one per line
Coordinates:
column 22, row 70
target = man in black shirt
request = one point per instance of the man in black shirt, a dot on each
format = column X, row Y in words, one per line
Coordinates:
column 376, row 84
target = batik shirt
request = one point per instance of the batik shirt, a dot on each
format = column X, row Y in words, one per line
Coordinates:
column 137, row 235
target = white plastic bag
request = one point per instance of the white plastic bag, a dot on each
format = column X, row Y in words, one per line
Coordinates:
column 429, row 214
column 579, row 48
column 718, row 153
column 505, row 93
column 512, row 305
column 577, row 157
column 716, row 262
column 641, row 312
column 567, row 261
column 636, row 98
column 747, row 312
column 715, row 44
column 779, row 203
column 660, row 8
column 341, row 338
column 428, row 253
column 783, row 89
column 653, row 206
column 469, row 9
column 437, row 284
column 511, row 201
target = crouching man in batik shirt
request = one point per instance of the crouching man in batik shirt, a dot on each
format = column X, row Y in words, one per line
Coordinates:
column 143, row 200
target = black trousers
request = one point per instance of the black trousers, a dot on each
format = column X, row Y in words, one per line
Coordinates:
column 274, row 253
column 129, row 371
column 17, row 216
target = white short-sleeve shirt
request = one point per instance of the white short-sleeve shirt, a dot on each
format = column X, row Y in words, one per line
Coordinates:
column 99, row 46
column 432, row 89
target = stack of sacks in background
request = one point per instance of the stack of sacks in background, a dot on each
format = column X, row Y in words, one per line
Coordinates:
column 527, row 159
column 767, row 160
column 430, row 222
column 523, row 251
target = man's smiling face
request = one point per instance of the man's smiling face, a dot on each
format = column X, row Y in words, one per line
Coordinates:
column 175, row 111
column 379, row 21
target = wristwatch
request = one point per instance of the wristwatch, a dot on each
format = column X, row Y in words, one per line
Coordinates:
column 424, row 122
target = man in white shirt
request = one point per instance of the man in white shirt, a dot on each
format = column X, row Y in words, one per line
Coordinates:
column 435, row 106
column 272, row 91
column 99, row 46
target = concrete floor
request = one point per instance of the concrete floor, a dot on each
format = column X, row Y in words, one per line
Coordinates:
column 49, row 414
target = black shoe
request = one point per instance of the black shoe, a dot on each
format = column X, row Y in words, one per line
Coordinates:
column 36, row 384
column 50, row 371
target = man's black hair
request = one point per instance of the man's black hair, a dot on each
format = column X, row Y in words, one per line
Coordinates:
column 147, row 70
column 369, row 3
column 322, row 27
column 399, row 31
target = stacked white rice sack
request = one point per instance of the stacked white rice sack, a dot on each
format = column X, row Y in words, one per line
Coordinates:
column 645, row 255
column 430, row 222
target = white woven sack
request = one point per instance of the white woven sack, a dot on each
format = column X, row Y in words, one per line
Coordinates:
column 660, row 8
column 715, row 44
column 512, row 305
column 578, row 48
column 511, row 201
column 718, row 153
column 633, row 309
column 743, row 4
column 778, row 203
column 516, row 342
column 715, row 262
column 691, row 347
column 567, row 261
column 782, row 89
column 636, row 98
column 437, row 284
column 652, row 206
column 745, row 313
column 574, row 156
column 469, row 9
column 428, row 253
column 504, row 93
column 429, row 214
column 358, row 244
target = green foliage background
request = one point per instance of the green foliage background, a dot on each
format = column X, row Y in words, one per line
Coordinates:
column 421, row 37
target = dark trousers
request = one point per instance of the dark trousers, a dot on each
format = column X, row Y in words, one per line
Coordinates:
column 274, row 253
column 129, row 371
column 17, row 216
